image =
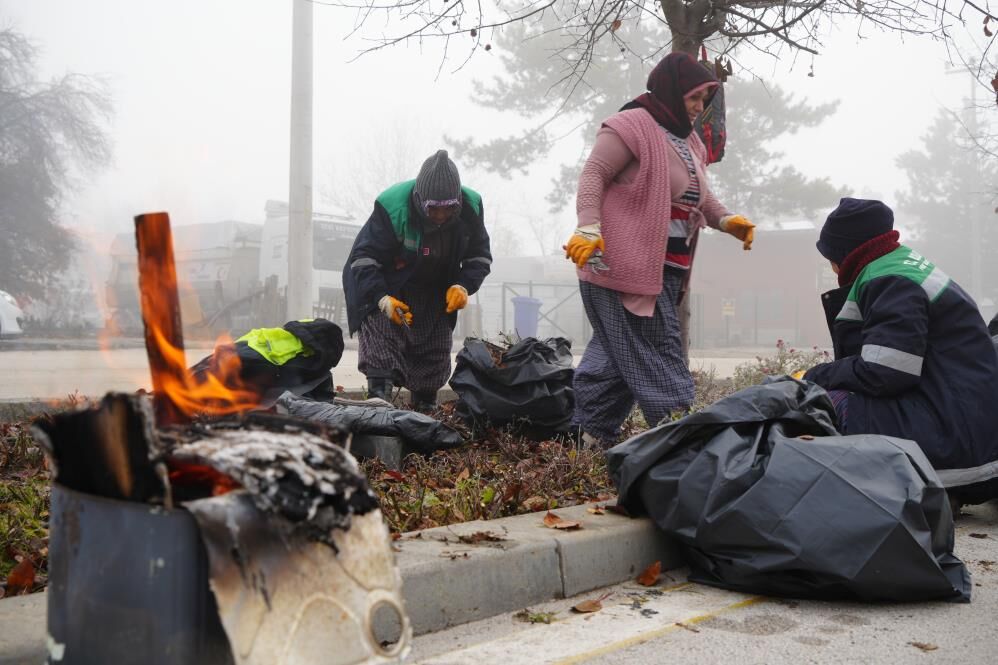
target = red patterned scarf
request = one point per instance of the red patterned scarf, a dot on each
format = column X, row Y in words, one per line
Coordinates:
column 869, row 251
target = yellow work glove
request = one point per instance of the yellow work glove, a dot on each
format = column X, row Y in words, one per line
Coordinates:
column 799, row 374
column 396, row 310
column 583, row 243
column 457, row 298
column 740, row 228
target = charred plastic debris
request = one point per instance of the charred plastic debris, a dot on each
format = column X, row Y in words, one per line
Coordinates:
column 185, row 528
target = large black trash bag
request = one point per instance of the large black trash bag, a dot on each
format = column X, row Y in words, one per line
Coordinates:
column 765, row 497
column 530, row 387
column 423, row 433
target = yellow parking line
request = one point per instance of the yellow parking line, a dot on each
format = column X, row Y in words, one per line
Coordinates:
column 652, row 634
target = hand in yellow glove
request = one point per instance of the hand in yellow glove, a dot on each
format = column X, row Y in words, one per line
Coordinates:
column 396, row 310
column 799, row 374
column 582, row 244
column 457, row 298
column 740, row 228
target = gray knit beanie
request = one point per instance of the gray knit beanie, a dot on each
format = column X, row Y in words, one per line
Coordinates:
column 438, row 180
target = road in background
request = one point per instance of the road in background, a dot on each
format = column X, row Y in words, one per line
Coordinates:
column 48, row 374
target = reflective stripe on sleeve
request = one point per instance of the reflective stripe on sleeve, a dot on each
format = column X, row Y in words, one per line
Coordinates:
column 902, row 361
column 360, row 263
column 850, row 312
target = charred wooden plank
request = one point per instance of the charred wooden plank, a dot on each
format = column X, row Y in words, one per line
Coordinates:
column 160, row 311
column 109, row 450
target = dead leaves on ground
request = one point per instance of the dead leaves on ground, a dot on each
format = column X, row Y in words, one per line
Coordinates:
column 535, row 503
column 591, row 605
column 481, row 537
column 498, row 476
column 554, row 521
column 21, row 578
column 924, row 646
column 650, row 575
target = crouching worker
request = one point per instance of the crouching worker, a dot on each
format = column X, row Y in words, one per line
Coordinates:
column 913, row 358
column 422, row 252
column 266, row 362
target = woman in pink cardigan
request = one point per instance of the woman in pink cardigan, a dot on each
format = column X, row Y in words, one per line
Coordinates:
column 643, row 198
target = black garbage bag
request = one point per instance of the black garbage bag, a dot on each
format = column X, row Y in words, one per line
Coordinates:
column 305, row 374
column 765, row 497
column 423, row 433
column 528, row 385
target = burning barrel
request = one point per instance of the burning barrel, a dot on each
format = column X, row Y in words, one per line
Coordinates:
column 186, row 529
column 129, row 584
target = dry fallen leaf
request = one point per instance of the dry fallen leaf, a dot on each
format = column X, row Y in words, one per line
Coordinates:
column 650, row 575
column 591, row 605
column 978, row 535
column 21, row 578
column 553, row 521
column 481, row 536
column 588, row 606
column 464, row 475
column 924, row 646
column 597, row 510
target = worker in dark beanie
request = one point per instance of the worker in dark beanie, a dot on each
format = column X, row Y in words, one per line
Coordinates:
column 422, row 252
column 913, row 358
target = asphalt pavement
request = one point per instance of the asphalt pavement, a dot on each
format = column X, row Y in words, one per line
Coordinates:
column 33, row 373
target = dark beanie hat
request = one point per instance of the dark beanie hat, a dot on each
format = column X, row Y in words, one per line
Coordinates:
column 850, row 225
column 438, row 179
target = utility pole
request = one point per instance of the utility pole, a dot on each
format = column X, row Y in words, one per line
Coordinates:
column 299, row 294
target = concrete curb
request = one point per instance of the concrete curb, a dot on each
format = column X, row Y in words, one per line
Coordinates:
column 448, row 582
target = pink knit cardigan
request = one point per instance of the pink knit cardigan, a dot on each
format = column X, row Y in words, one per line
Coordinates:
column 634, row 217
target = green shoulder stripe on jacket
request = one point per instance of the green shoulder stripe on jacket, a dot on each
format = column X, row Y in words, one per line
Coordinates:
column 395, row 201
column 902, row 262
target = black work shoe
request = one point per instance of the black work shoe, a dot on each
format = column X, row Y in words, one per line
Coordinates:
column 380, row 388
column 424, row 401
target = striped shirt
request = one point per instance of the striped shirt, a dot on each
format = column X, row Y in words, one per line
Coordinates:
column 677, row 253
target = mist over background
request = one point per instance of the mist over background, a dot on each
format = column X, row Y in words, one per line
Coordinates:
column 198, row 126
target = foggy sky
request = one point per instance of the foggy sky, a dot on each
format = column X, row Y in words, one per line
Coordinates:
column 201, row 93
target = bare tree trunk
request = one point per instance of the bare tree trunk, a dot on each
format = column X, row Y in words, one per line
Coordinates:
column 691, row 23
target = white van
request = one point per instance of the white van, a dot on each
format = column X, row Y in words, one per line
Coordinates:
column 10, row 316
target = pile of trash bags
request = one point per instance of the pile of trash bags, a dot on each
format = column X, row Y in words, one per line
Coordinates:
column 375, row 417
column 764, row 496
column 528, row 385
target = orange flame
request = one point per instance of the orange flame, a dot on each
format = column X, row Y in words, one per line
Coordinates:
column 221, row 392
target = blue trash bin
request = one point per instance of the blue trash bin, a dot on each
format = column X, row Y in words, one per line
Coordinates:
column 526, row 314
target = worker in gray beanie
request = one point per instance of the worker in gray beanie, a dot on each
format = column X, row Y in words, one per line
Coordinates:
column 422, row 252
